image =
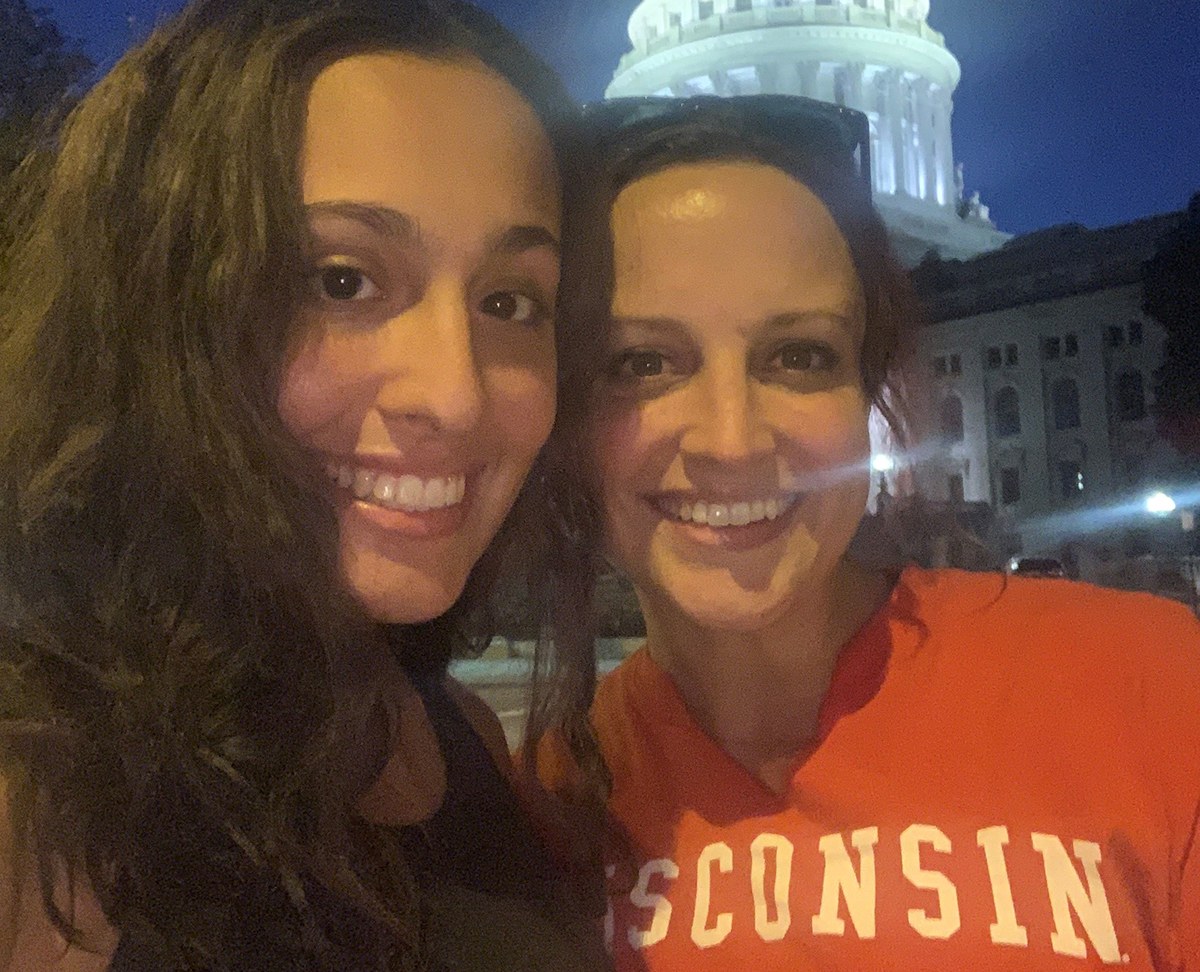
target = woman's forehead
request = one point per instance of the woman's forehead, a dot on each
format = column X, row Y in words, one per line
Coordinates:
column 730, row 231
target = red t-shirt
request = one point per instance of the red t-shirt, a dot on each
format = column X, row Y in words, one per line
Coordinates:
column 1008, row 778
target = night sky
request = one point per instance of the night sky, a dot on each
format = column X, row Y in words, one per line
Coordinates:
column 1068, row 110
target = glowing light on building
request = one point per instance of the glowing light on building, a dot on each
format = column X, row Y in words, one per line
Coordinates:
column 1159, row 503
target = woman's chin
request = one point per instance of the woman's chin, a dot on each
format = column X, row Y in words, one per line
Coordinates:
column 726, row 607
column 404, row 597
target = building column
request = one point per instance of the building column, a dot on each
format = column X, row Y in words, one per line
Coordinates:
column 925, row 134
column 942, row 108
column 787, row 78
column 768, row 78
column 809, row 71
column 895, row 128
column 825, row 82
column 854, row 86
column 720, row 82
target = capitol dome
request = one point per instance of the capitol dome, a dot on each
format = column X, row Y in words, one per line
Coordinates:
column 879, row 56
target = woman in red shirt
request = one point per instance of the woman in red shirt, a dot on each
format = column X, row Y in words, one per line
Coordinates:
column 817, row 765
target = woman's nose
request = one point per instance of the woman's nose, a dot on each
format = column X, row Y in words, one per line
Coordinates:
column 429, row 372
column 726, row 422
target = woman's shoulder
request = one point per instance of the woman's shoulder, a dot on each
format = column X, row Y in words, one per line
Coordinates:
column 1126, row 644
column 952, row 592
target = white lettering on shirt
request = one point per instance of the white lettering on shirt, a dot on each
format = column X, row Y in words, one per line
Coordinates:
column 771, row 929
column 1005, row 930
column 704, row 934
column 643, row 897
column 1067, row 893
column 841, row 882
column 948, row 921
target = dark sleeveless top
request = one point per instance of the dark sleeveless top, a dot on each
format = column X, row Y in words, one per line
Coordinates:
column 492, row 898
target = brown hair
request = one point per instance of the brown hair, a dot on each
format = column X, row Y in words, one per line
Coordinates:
column 180, row 663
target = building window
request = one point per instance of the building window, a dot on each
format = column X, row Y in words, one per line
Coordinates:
column 1131, row 396
column 674, row 20
column 1010, row 355
column 1135, row 332
column 952, row 419
column 1070, row 479
column 993, row 358
column 1114, row 337
column 705, row 9
column 1050, row 348
column 1065, row 403
column 954, row 487
column 1010, row 486
column 955, row 364
column 1070, row 346
column 651, row 31
column 939, row 366
column 1008, row 412
column 742, row 4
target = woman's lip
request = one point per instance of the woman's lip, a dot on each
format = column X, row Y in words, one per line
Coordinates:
column 407, row 524
column 746, row 537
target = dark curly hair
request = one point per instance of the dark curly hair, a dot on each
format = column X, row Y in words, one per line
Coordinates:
column 180, row 665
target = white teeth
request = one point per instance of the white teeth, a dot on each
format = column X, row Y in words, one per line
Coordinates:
column 364, row 482
column 741, row 513
column 408, row 492
column 385, row 489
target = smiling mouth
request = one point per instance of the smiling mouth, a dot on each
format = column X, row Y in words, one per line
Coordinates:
column 721, row 514
column 408, row 493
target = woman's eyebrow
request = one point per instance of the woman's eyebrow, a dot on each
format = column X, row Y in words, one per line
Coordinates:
column 518, row 239
column 831, row 319
column 381, row 219
column 649, row 325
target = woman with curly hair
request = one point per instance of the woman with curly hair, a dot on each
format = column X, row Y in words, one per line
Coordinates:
column 278, row 350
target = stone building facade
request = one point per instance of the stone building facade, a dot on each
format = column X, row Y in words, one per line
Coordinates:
column 1037, row 379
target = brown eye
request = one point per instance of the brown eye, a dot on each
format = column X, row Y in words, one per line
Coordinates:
column 638, row 364
column 510, row 305
column 344, row 283
column 805, row 357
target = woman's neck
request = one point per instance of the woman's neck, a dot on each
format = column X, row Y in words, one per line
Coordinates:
column 758, row 693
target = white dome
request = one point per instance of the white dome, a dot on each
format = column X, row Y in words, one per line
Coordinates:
column 878, row 56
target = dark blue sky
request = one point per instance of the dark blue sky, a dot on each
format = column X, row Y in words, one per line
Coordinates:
column 1068, row 111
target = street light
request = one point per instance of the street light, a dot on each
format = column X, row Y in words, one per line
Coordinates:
column 1159, row 503
column 881, row 462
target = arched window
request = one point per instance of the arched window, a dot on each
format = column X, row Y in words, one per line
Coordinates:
column 952, row 419
column 1064, row 399
column 1131, row 396
column 1007, row 412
